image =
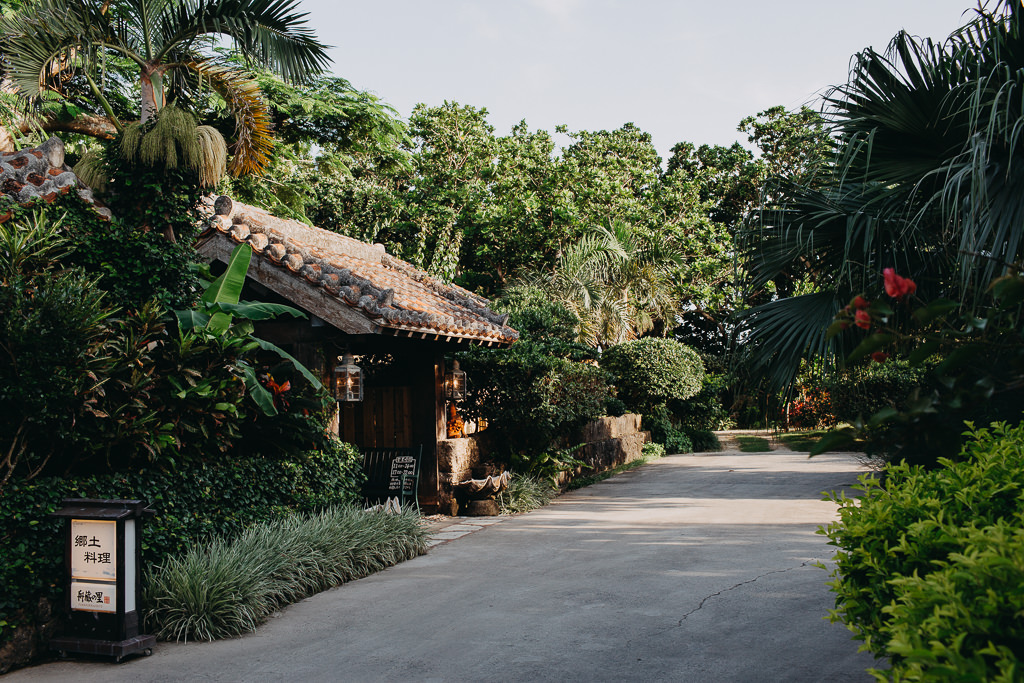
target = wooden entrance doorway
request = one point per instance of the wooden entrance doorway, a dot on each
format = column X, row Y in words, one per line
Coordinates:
column 382, row 420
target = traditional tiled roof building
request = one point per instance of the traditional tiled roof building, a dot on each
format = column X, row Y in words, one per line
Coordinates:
column 398, row 320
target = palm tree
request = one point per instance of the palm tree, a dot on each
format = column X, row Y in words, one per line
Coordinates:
column 170, row 44
column 617, row 280
column 926, row 179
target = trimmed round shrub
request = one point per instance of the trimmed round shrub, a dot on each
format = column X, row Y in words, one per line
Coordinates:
column 652, row 371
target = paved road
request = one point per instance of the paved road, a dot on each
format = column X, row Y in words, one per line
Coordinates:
column 693, row 568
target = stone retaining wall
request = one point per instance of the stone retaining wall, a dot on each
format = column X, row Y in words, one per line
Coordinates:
column 608, row 443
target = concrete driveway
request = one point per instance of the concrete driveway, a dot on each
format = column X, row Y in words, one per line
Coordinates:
column 692, row 568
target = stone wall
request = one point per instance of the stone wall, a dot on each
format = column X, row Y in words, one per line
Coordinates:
column 609, row 442
column 456, row 459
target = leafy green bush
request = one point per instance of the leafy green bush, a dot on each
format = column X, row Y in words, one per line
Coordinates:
column 653, row 450
column 51, row 330
column 864, row 390
column 929, row 567
column 211, row 499
column 677, row 442
column 659, row 423
column 652, row 371
column 704, row 410
column 704, row 441
column 524, row 493
column 225, row 588
column 531, row 394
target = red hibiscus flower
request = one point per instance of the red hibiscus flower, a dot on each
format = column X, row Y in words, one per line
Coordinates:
column 863, row 319
column 879, row 356
column 860, row 303
column 897, row 287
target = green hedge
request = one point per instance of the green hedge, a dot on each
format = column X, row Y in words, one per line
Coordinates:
column 930, row 567
column 206, row 500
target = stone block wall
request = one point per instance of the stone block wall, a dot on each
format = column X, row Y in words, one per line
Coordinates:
column 608, row 443
column 456, row 459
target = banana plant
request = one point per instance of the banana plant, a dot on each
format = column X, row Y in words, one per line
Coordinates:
column 215, row 315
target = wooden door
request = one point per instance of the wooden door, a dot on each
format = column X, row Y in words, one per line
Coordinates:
column 382, row 420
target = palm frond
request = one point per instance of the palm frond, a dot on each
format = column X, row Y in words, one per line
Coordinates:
column 254, row 142
column 268, row 32
column 92, row 170
column 783, row 332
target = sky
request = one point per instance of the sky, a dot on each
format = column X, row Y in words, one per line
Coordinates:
column 682, row 70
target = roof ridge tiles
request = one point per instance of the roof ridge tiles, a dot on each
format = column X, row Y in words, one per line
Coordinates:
column 362, row 275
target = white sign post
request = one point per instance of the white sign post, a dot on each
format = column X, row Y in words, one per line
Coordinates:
column 101, row 560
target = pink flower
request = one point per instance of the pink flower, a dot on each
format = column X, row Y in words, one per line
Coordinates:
column 897, row 287
column 863, row 319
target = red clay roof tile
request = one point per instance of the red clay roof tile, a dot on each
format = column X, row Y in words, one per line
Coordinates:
column 390, row 292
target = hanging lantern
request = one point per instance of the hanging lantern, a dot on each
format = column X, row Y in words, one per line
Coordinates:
column 455, row 383
column 348, row 380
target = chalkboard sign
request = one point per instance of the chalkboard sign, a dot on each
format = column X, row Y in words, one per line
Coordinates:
column 385, row 468
column 403, row 465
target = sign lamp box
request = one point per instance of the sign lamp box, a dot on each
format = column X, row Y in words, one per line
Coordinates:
column 102, row 578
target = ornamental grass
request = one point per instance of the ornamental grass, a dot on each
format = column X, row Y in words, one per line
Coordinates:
column 227, row 588
column 524, row 493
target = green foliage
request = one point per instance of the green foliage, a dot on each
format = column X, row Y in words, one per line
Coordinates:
column 859, row 392
column 226, row 588
column 678, row 442
column 651, row 371
column 51, row 323
column 978, row 375
column 801, row 441
column 659, row 423
column 535, row 393
column 753, row 444
column 548, row 465
column 653, row 450
column 703, row 440
column 618, row 281
column 524, row 493
column 925, row 181
column 929, row 564
column 216, row 498
column 704, row 412
column 131, row 254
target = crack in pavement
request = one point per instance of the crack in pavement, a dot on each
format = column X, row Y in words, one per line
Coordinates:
column 679, row 624
column 741, row 583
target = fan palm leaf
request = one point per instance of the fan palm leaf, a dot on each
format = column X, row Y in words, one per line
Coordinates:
column 926, row 180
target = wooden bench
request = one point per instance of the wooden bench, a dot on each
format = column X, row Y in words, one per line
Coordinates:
column 392, row 473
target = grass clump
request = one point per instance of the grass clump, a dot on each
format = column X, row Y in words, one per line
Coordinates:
column 524, row 493
column 225, row 588
column 753, row 444
column 802, row 442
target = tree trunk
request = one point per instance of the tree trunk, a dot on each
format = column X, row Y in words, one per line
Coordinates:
column 94, row 126
column 151, row 85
